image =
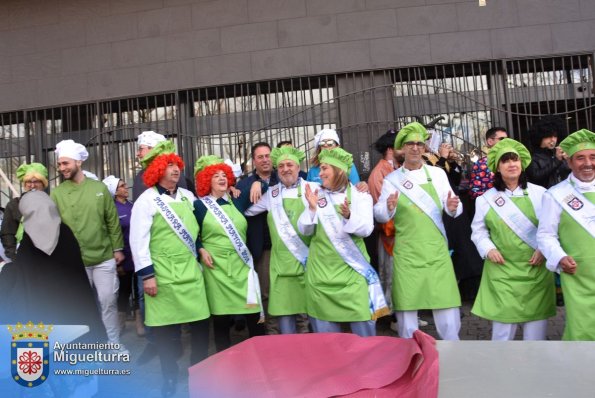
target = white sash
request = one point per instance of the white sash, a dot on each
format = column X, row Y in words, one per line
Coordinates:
column 516, row 220
column 253, row 294
column 575, row 204
column 351, row 254
column 172, row 219
column 286, row 231
column 418, row 196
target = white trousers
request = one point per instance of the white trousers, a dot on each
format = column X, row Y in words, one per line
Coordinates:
column 385, row 271
column 534, row 330
column 447, row 321
column 104, row 278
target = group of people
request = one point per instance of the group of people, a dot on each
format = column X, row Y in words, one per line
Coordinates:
column 278, row 250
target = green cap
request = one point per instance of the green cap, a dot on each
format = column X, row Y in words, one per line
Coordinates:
column 204, row 161
column 36, row 168
column 286, row 153
column 413, row 132
column 162, row 148
column 578, row 141
column 508, row 145
column 336, row 157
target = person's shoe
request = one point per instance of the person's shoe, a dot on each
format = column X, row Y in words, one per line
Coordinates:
column 393, row 327
column 120, row 350
column 239, row 323
column 148, row 353
column 168, row 389
column 122, row 321
column 138, row 322
column 421, row 322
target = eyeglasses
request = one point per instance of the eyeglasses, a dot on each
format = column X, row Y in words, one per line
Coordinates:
column 411, row 144
column 327, row 143
column 33, row 182
column 499, row 138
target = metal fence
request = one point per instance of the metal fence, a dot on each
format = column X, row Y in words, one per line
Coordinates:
column 227, row 120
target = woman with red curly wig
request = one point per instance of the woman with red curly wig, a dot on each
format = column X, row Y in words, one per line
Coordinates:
column 231, row 282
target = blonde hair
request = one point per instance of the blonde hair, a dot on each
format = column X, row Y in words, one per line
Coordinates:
column 340, row 180
column 34, row 174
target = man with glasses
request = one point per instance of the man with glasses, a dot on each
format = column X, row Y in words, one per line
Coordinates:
column 482, row 178
column 33, row 176
column 416, row 196
column 328, row 139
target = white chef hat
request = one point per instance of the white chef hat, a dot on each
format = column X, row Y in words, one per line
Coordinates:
column 326, row 134
column 150, row 138
column 112, row 184
column 90, row 175
column 72, row 150
column 236, row 168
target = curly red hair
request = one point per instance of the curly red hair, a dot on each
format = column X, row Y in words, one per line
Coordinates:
column 203, row 178
column 156, row 168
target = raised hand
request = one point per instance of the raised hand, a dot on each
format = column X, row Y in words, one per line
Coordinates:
column 311, row 197
column 452, row 202
column 345, row 211
column 391, row 201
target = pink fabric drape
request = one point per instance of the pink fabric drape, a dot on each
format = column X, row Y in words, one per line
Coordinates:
column 320, row 365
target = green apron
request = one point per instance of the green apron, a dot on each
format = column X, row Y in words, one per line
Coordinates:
column 287, row 291
column 423, row 274
column 334, row 291
column 227, row 282
column 180, row 286
column 579, row 289
column 516, row 291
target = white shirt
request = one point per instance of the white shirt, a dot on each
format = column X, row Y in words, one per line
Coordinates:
column 264, row 204
column 439, row 181
column 547, row 233
column 480, row 234
column 361, row 219
column 141, row 220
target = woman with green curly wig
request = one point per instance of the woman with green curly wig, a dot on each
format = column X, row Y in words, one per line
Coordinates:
column 33, row 176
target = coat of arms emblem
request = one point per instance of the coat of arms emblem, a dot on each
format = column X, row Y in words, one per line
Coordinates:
column 575, row 203
column 322, row 202
column 30, row 353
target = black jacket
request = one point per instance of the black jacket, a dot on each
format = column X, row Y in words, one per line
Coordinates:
column 545, row 169
column 259, row 238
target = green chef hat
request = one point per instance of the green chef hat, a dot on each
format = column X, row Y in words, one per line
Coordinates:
column 508, row 145
column 162, row 148
column 336, row 157
column 286, row 153
column 578, row 141
column 31, row 168
column 204, row 161
column 413, row 132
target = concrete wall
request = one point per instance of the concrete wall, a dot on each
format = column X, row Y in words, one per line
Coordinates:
column 68, row 51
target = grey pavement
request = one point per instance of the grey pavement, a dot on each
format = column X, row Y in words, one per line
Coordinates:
column 149, row 374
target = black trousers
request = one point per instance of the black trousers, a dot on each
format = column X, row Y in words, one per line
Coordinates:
column 222, row 325
column 169, row 345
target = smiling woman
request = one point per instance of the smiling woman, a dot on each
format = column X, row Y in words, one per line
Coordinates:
column 231, row 283
column 515, row 286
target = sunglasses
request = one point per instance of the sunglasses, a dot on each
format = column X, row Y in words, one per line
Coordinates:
column 327, row 143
